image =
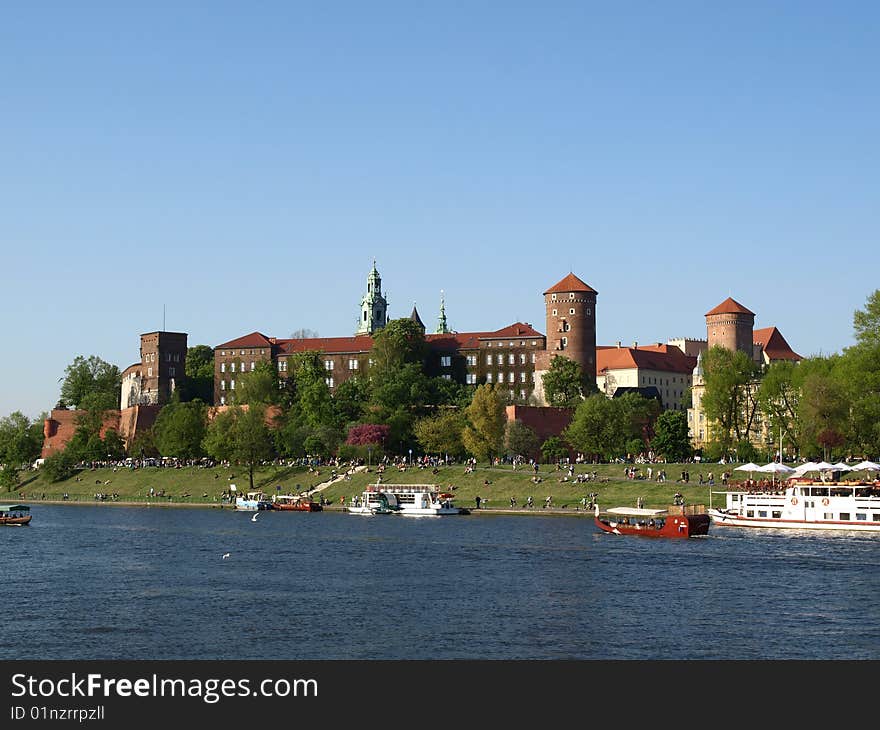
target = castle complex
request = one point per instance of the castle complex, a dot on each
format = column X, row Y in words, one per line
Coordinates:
column 514, row 357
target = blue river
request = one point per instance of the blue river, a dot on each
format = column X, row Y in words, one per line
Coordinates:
column 152, row 583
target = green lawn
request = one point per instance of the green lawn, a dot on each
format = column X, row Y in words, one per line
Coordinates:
column 197, row 485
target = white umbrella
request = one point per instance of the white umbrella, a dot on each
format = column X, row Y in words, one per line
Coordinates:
column 840, row 466
column 824, row 466
column 775, row 468
column 804, row 468
column 747, row 467
column 866, row 465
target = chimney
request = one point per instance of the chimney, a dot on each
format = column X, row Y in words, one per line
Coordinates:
column 618, row 344
column 635, row 345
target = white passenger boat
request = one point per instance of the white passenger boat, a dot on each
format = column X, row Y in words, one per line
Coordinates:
column 404, row 499
column 252, row 502
column 804, row 506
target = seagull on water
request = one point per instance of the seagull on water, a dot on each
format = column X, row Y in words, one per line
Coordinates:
column 226, row 555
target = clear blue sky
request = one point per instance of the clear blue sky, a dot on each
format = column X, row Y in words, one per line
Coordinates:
column 243, row 163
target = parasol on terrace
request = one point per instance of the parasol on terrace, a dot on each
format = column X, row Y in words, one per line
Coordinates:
column 775, row 468
column 750, row 468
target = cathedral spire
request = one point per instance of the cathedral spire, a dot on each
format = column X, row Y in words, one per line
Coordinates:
column 442, row 327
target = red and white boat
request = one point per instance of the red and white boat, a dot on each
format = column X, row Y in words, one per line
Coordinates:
column 15, row 514
column 676, row 521
column 295, row 503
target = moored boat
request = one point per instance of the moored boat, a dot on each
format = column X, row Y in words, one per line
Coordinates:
column 805, row 506
column 405, row 499
column 15, row 514
column 675, row 521
column 295, row 503
column 252, row 502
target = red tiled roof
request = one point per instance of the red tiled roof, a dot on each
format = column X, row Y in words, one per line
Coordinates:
column 471, row 340
column 328, row 345
column 254, row 339
column 651, row 357
column 570, row 283
column 774, row 344
column 730, row 306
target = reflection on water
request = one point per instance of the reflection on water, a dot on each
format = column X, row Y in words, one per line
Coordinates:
column 147, row 583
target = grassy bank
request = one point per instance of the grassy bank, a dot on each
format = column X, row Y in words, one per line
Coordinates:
column 495, row 486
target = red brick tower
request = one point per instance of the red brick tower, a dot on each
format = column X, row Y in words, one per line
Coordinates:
column 731, row 325
column 571, row 324
column 163, row 358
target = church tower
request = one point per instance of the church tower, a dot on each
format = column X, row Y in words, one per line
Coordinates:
column 374, row 307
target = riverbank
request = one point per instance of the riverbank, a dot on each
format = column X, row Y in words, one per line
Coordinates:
column 495, row 486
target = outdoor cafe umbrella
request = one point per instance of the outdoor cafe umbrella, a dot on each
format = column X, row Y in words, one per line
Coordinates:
column 840, row 466
column 775, row 468
column 750, row 467
column 866, row 466
column 805, row 467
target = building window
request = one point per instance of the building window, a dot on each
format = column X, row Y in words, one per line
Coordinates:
column 176, row 357
column 171, row 372
column 522, row 358
column 587, row 310
column 329, row 381
column 471, row 378
column 446, row 361
column 167, row 357
column 554, row 312
column 328, row 364
column 522, row 377
column 522, row 395
column 222, row 400
column 501, row 359
column 564, row 342
column 352, row 364
column 222, row 367
column 222, row 385
column 511, row 377
column 511, row 359
column 511, row 394
column 253, row 365
column 488, row 377
column 571, row 311
column 553, row 297
column 149, row 372
column 510, row 344
column 571, row 295
column 471, row 360
column 242, row 352
column 488, row 359
column 534, row 343
column 533, row 357
column 500, row 377
column 231, row 385
column 232, row 367
column 447, row 376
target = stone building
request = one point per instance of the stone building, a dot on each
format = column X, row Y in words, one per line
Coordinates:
column 161, row 369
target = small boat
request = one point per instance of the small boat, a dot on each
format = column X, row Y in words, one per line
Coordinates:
column 295, row 503
column 804, row 506
column 421, row 500
column 675, row 521
column 252, row 502
column 15, row 514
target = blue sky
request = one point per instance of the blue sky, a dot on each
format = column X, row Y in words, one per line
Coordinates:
column 243, row 163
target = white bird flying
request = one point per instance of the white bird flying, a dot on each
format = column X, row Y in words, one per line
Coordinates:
column 226, row 555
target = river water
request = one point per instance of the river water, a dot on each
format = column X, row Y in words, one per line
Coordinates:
column 151, row 583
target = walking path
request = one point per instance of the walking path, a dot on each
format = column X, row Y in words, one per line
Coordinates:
column 340, row 477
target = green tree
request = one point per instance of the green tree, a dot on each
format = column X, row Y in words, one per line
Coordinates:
column 729, row 398
column 94, row 377
column 519, row 439
column 241, row 435
column 180, row 429
column 259, row 386
column 553, row 449
column 600, row 426
column 671, row 437
column 21, row 440
column 823, row 411
column 441, row 433
column 565, row 384
column 398, row 343
column 779, row 397
column 350, row 399
column 199, row 374
column 483, row 436
column 60, row 465
column 866, row 322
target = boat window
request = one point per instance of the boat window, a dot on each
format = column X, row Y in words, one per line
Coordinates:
column 828, row 516
column 844, row 515
column 762, row 513
column 777, row 514
column 819, row 491
column 877, row 517
column 734, row 498
column 750, row 513
column 861, row 515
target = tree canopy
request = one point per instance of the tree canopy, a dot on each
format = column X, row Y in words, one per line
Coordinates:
column 565, row 384
column 483, row 436
column 91, row 383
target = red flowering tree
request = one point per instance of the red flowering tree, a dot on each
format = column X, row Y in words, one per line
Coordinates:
column 367, row 434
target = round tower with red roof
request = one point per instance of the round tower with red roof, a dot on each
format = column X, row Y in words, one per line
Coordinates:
column 731, row 325
column 571, row 323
